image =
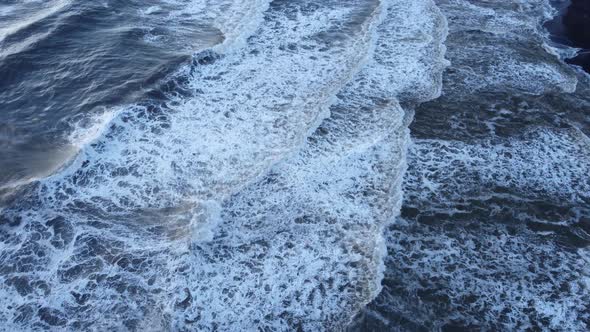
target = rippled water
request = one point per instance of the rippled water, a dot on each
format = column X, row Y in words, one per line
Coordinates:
column 242, row 181
column 494, row 230
column 65, row 62
column 240, row 165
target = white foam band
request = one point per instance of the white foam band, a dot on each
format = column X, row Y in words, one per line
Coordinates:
column 232, row 209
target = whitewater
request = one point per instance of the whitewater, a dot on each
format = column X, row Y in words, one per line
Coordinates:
column 494, row 229
column 250, row 190
column 280, row 165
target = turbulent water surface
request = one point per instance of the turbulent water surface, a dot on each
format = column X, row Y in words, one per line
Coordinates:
column 495, row 226
column 240, row 165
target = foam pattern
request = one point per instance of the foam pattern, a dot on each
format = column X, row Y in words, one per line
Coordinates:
column 252, row 195
column 480, row 275
column 495, row 225
column 502, row 47
column 538, row 165
column 494, row 235
column 246, row 112
column 326, row 208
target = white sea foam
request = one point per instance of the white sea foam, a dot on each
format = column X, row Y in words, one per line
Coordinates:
column 250, row 110
column 502, row 46
column 90, row 129
column 540, row 164
column 230, row 20
column 314, row 224
column 520, row 278
column 228, row 209
column 495, row 229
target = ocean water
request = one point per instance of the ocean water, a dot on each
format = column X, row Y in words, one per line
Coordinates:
column 211, row 165
column 494, row 228
column 292, row 165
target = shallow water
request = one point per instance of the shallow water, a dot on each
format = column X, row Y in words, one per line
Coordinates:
column 494, row 230
column 241, row 165
column 245, row 188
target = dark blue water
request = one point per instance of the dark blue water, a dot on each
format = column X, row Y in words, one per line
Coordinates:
column 203, row 196
column 63, row 62
column 494, row 233
column 212, row 203
column 571, row 27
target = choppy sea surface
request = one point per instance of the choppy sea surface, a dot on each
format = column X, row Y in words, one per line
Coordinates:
column 231, row 165
column 495, row 224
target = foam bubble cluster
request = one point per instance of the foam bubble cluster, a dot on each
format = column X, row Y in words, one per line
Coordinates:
column 252, row 194
column 495, row 226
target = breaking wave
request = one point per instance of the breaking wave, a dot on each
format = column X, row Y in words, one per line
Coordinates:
column 248, row 189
